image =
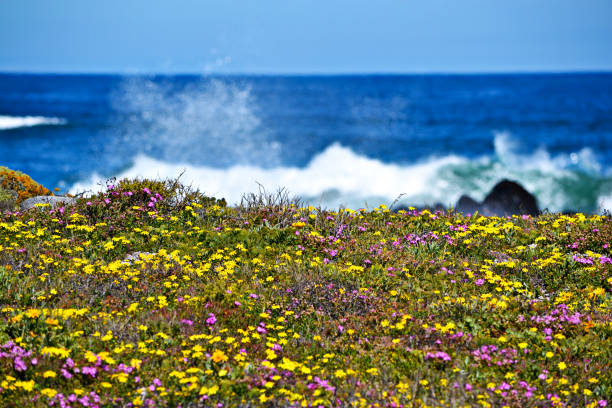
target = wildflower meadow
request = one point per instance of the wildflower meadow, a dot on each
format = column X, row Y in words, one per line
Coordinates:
column 150, row 294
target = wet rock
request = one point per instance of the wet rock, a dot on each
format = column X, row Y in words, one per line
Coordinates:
column 506, row 198
column 467, row 204
column 52, row 200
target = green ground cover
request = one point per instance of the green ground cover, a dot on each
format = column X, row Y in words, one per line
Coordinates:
column 152, row 295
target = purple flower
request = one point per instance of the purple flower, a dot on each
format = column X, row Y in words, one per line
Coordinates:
column 89, row 371
column 479, row 282
column 187, row 322
column 19, row 364
column 211, row 319
column 438, row 354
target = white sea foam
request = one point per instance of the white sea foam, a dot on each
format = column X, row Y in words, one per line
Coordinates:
column 339, row 176
column 605, row 203
column 335, row 177
column 14, row 122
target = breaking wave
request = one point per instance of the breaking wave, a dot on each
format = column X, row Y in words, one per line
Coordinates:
column 15, row 122
column 338, row 176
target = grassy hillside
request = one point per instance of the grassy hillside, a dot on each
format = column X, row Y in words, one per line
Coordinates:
column 152, row 295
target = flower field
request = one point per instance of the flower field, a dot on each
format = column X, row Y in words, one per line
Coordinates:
column 153, row 295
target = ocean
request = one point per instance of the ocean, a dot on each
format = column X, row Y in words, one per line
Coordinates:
column 356, row 141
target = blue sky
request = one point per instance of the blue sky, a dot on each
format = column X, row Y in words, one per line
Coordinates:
column 299, row 36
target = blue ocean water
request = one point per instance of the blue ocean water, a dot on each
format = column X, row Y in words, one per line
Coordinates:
column 356, row 141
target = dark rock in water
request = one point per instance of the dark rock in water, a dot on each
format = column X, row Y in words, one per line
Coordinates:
column 508, row 197
column 52, row 200
column 467, row 204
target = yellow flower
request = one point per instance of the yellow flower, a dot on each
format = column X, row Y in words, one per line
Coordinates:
column 33, row 313
column 218, row 356
column 209, row 391
column 372, row 371
column 340, row 374
column 49, row 374
column 288, row 364
column 26, row 385
column 48, row 392
column 562, row 366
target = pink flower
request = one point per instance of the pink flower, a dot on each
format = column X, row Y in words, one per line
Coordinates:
column 89, row 371
column 19, row 364
column 479, row 282
column 211, row 319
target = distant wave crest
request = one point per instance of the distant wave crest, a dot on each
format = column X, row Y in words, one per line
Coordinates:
column 15, row 122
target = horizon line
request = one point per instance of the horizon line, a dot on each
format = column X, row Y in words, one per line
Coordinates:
column 313, row 73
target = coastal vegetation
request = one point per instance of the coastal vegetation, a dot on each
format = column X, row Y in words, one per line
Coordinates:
column 16, row 186
column 153, row 294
